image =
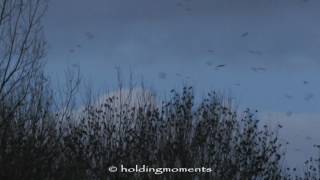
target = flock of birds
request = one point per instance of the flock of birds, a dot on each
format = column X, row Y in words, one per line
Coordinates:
column 164, row 76
column 186, row 6
column 307, row 96
column 88, row 36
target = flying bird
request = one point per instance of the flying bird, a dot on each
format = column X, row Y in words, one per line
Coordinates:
column 79, row 46
column 209, row 63
column 288, row 96
column 289, row 113
column 71, row 50
column 305, row 82
column 308, row 138
column 220, row 66
column 258, row 69
column 297, row 149
column 245, row 34
column 75, row 65
column 210, row 51
column 179, row 4
column 308, row 96
column 162, row 75
column 188, row 9
column 255, row 52
column 89, row 35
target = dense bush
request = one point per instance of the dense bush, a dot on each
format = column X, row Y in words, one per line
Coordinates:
column 38, row 144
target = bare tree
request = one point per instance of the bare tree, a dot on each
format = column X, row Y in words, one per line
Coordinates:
column 24, row 95
column 68, row 91
column 22, row 46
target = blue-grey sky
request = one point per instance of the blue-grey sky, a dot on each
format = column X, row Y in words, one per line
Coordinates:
column 270, row 48
column 265, row 53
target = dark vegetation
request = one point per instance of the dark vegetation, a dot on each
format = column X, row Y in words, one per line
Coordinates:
column 43, row 139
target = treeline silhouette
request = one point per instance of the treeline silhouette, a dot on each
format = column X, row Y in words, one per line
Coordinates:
column 40, row 143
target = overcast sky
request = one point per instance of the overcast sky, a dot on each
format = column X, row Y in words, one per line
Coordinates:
column 265, row 53
column 270, row 48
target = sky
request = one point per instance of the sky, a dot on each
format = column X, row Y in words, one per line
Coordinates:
column 264, row 53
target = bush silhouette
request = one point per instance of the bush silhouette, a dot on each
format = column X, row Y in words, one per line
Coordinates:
column 176, row 133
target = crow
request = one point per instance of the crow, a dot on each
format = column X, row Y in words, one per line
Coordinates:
column 245, row 34
column 288, row 96
column 308, row 96
column 179, row 4
column 258, row 69
column 210, row 51
column 255, row 52
column 308, row 138
column 188, row 9
column 162, row 75
column 220, row 66
column 89, row 35
column 209, row 63
column 289, row 113
column 71, row 50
